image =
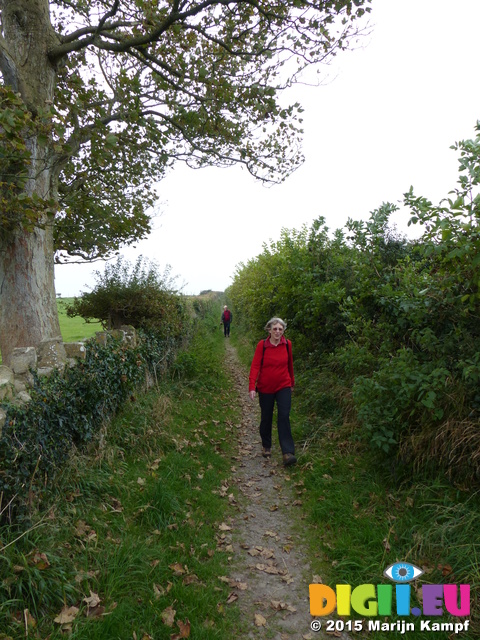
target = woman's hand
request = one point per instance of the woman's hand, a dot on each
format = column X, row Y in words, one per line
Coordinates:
column 252, row 395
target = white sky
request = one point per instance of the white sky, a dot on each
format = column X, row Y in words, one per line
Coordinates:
column 385, row 121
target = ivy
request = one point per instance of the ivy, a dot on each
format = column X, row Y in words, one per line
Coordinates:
column 67, row 411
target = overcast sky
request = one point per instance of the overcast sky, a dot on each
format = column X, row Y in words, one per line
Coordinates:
column 384, row 121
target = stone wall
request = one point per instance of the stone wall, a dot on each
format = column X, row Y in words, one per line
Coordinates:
column 16, row 380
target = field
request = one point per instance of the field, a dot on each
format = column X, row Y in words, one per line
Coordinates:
column 74, row 329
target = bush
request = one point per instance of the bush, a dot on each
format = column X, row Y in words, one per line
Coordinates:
column 138, row 296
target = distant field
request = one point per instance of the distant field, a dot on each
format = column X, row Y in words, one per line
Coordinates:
column 74, row 329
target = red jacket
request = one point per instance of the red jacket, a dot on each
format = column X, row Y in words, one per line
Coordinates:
column 276, row 372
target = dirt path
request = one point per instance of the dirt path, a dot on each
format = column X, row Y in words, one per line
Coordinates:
column 271, row 572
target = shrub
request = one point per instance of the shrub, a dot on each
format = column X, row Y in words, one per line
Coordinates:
column 138, row 296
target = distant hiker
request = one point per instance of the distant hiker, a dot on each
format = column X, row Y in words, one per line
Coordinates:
column 271, row 375
column 226, row 320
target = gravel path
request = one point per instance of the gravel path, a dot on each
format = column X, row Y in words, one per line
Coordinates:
column 270, row 574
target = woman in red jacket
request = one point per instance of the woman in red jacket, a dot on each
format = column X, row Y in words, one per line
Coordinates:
column 271, row 374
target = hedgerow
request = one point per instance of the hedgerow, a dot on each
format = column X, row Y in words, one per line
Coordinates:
column 67, row 411
column 387, row 325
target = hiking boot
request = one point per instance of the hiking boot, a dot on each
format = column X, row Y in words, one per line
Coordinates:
column 288, row 459
column 266, row 453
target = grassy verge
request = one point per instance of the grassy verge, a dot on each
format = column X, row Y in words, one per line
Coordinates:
column 364, row 515
column 132, row 546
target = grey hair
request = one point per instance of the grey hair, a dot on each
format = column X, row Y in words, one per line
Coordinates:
column 273, row 321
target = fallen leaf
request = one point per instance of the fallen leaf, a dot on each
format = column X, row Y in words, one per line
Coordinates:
column 40, row 561
column 271, row 534
column 158, row 591
column 224, row 527
column 92, row 600
column 232, row 598
column 239, row 585
column 66, row 615
column 96, row 612
column 168, row 616
column 260, row 621
column 446, row 569
column 177, row 569
column 184, row 630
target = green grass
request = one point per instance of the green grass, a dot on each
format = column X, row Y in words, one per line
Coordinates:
column 74, row 329
column 137, row 522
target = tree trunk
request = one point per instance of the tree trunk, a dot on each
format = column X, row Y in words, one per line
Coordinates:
column 28, row 310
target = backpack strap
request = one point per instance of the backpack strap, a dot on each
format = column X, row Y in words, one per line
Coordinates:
column 263, row 353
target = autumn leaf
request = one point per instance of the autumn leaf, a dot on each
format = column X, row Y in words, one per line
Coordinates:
column 271, row 534
column 446, row 569
column 40, row 561
column 67, row 615
column 96, row 612
column 158, row 591
column 184, row 628
column 92, row 600
column 177, row 569
column 168, row 616
column 224, row 527
column 260, row 621
column 232, row 598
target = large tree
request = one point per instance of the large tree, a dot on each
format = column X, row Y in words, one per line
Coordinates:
column 100, row 97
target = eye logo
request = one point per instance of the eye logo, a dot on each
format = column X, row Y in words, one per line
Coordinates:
column 402, row 572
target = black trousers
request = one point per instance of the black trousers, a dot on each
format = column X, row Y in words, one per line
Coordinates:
column 226, row 328
column 283, row 398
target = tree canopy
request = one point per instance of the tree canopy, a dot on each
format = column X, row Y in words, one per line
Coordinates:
column 100, row 98
column 140, row 84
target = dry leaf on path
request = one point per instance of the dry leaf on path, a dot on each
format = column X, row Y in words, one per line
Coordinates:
column 260, row 621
